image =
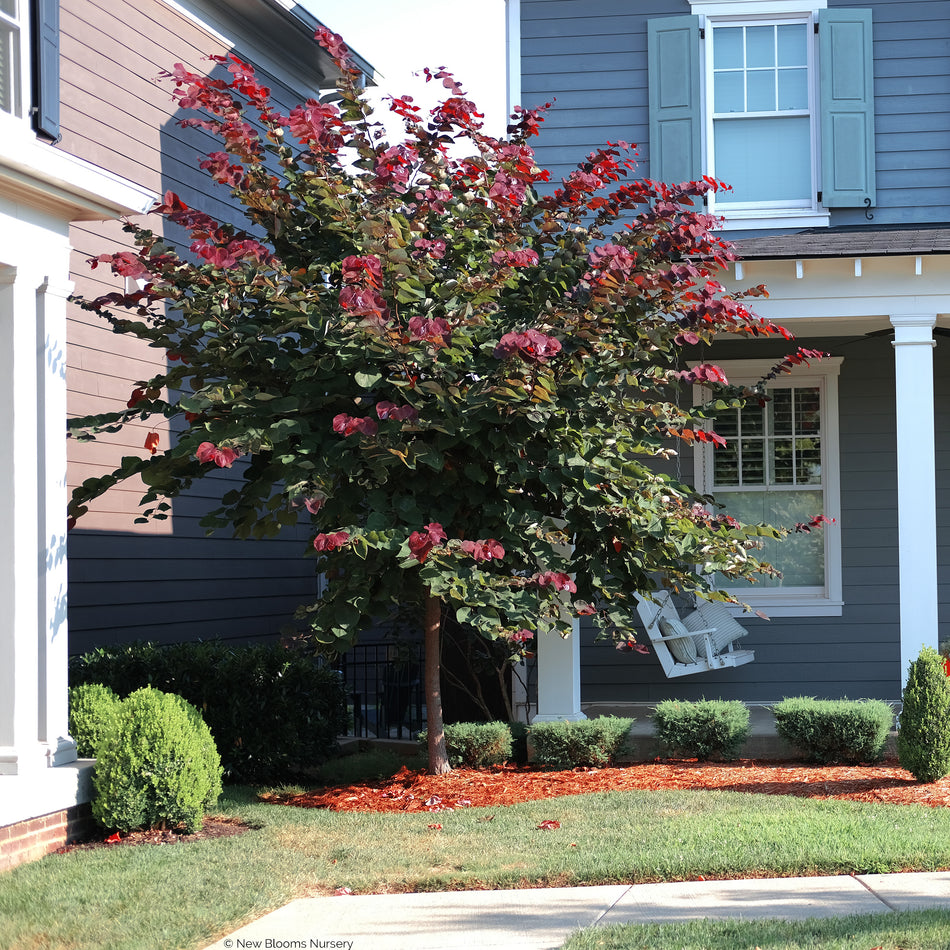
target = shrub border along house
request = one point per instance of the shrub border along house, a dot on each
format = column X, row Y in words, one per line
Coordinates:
column 274, row 713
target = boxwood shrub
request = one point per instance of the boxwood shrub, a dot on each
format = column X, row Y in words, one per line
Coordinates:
column 475, row 744
column 566, row 745
column 827, row 731
column 708, row 729
column 156, row 766
column 274, row 713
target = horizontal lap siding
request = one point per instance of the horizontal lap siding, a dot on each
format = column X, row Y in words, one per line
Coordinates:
column 164, row 581
column 590, row 59
column 855, row 655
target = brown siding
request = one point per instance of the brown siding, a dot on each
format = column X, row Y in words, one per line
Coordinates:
column 164, row 581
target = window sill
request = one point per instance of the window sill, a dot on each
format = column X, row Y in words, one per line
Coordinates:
column 760, row 220
column 791, row 607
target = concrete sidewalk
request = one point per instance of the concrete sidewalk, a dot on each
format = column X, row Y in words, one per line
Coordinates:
column 543, row 919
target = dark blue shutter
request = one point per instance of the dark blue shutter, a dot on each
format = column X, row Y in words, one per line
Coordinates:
column 846, row 100
column 675, row 99
column 45, row 53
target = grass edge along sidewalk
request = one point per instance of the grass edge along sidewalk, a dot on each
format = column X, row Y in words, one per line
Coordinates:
column 900, row 930
column 189, row 895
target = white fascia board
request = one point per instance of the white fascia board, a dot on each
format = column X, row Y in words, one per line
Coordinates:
column 37, row 173
column 717, row 8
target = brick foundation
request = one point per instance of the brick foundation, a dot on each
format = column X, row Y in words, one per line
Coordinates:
column 37, row 837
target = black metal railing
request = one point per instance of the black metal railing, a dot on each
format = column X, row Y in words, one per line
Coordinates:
column 384, row 684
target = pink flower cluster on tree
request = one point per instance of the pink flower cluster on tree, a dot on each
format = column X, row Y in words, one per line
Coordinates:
column 533, row 346
column 422, row 542
column 346, row 424
column 223, row 457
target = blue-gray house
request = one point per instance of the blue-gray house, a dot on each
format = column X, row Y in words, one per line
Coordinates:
column 831, row 122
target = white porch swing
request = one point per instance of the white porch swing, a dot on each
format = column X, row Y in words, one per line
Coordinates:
column 703, row 640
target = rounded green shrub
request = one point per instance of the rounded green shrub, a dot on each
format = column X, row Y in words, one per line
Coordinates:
column 827, row 731
column 92, row 708
column 158, row 766
column 923, row 738
column 589, row 742
column 475, row 745
column 707, row 729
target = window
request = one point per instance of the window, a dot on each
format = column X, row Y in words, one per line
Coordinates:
column 761, row 129
column 780, row 466
column 772, row 97
column 11, row 78
column 29, row 63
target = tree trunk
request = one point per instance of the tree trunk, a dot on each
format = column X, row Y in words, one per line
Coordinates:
column 438, row 756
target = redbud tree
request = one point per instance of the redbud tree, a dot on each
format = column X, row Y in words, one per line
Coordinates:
column 461, row 374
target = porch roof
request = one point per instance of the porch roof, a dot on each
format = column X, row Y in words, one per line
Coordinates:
column 848, row 241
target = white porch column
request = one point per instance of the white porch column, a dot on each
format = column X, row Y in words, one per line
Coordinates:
column 33, row 647
column 559, row 677
column 916, row 484
column 51, row 303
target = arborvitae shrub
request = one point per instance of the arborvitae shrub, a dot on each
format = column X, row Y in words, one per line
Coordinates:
column 157, row 765
column 475, row 744
column 827, row 731
column 273, row 712
column 566, row 745
column 708, row 729
column 92, row 707
column 923, row 738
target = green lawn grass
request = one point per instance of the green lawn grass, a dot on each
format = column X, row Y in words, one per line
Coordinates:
column 188, row 895
column 908, row 930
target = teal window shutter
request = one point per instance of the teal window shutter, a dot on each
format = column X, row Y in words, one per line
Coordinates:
column 45, row 52
column 675, row 99
column 846, row 99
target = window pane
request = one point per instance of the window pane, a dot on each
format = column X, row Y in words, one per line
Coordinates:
column 753, row 461
column 808, row 461
column 8, row 7
column 807, row 410
column 760, row 46
column 792, row 89
column 761, row 95
column 800, row 557
column 783, row 462
column 727, row 48
column 791, row 45
column 730, row 92
column 726, row 423
column 726, row 465
column 753, row 420
column 764, row 159
column 781, row 411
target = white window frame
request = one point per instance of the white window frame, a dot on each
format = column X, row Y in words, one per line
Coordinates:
column 789, row 601
column 19, row 26
column 713, row 13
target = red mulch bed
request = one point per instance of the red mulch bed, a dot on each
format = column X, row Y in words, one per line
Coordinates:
column 414, row 791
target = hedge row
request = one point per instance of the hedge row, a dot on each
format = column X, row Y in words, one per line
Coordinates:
column 271, row 711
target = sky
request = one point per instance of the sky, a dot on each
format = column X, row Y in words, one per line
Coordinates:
column 400, row 37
